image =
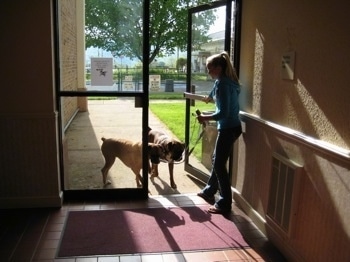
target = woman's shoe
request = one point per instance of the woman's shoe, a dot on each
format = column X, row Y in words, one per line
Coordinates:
column 208, row 199
column 217, row 210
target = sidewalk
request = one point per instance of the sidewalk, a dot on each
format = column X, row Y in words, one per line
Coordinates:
column 118, row 119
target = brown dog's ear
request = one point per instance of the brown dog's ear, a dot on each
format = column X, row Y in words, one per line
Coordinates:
column 154, row 152
column 171, row 145
column 152, row 147
column 159, row 149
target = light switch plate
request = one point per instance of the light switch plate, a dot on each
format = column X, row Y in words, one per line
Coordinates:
column 288, row 63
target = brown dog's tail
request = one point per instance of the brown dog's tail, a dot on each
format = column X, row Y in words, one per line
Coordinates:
column 103, row 139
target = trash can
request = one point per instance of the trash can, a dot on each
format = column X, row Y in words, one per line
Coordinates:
column 208, row 142
column 169, row 85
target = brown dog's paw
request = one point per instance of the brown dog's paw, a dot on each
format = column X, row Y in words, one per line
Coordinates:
column 154, row 173
column 106, row 185
column 173, row 185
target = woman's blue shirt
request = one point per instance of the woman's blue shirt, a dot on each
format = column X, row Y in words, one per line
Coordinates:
column 225, row 95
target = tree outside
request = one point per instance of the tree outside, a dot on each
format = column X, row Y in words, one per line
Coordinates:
column 117, row 26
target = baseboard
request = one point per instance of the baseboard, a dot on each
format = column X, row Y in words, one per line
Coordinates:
column 257, row 219
column 31, row 202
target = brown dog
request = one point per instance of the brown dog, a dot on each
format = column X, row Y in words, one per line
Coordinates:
column 130, row 153
column 172, row 150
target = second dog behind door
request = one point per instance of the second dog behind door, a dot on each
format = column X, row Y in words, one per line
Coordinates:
column 172, row 152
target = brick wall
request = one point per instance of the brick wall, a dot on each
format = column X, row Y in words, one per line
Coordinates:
column 68, row 55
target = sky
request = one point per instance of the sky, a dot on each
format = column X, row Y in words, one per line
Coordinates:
column 219, row 24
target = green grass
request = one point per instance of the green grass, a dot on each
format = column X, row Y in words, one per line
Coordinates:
column 165, row 95
column 173, row 116
column 101, row 98
column 160, row 95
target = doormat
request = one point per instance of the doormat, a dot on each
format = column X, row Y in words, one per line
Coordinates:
column 148, row 230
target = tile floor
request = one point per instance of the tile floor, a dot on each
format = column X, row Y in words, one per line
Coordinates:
column 34, row 234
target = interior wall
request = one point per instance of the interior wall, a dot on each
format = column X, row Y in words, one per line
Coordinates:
column 313, row 106
column 29, row 163
column 315, row 101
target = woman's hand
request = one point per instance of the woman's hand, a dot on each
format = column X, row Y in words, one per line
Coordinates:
column 201, row 119
column 207, row 99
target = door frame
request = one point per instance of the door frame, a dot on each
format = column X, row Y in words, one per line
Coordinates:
column 236, row 61
column 141, row 97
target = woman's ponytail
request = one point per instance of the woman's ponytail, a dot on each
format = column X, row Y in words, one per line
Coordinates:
column 224, row 61
column 229, row 70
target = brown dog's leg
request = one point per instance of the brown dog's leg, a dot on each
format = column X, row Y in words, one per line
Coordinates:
column 154, row 172
column 138, row 177
column 109, row 161
column 171, row 173
column 149, row 167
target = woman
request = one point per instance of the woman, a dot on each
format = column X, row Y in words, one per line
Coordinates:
column 225, row 95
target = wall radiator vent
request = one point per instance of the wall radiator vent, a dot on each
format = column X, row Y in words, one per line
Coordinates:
column 283, row 193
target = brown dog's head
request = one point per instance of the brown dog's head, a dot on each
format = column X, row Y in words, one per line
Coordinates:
column 173, row 150
column 155, row 152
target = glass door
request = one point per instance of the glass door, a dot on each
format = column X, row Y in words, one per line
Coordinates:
column 221, row 36
column 103, row 99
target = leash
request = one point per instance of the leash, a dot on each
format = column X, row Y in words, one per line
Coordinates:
column 200, row 135
column 197, row 141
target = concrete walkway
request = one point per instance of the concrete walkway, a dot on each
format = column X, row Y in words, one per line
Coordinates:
column 118, row 119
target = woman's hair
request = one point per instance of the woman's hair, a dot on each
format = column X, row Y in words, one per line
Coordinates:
column 223, row 60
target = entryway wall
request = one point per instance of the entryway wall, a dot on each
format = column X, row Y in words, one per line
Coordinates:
column 303, row 119
column 29, row 159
